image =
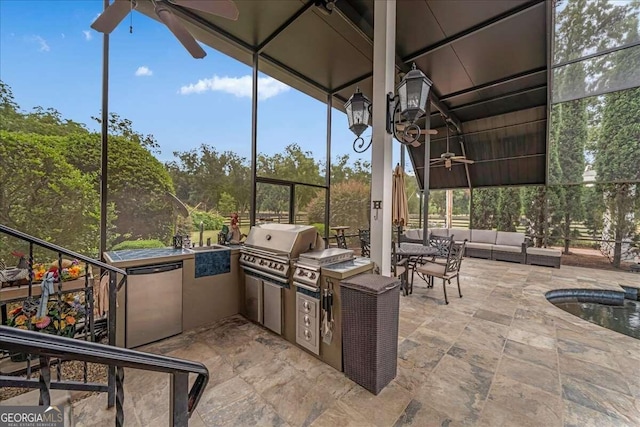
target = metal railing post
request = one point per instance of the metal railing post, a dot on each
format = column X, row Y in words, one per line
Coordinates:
column 111, row 375
column 179, row 400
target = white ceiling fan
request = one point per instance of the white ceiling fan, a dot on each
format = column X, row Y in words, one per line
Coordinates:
column 119, row 9
column 448, row 158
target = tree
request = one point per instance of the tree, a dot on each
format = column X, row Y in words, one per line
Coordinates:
column 120, row 126
column 509, row 205
column 484, row 208
column 138, row 184
column 617, row 159
column 43, row 195
column 349, row 205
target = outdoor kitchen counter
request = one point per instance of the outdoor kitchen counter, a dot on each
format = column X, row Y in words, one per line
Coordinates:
column 209, row 292
column 343, row 270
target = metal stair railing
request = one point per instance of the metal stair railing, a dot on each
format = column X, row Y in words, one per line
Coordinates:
column 183, row 400
column 89, row 326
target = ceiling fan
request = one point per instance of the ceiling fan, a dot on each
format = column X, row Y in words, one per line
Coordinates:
column 447, row 158
column 401, row 128
column 118, row 10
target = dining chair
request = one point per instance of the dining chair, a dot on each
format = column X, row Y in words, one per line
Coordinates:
column 448, row 270
column 399, row 269
column 365, row 242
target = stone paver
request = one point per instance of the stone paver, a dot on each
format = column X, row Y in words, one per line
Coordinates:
column 500, row 356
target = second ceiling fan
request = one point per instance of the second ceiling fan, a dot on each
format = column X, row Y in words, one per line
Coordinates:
column 119, row 9
column 448, row 158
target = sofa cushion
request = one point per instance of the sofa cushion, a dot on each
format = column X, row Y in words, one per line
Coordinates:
column 483, row 236
column 441, row 232
column 476, row 245
column 510, row 238
column 413, row 233
column 544, row 251
column 507, row 248
column 460, row 234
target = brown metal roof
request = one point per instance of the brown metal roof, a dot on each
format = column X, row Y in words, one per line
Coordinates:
column 486, row 58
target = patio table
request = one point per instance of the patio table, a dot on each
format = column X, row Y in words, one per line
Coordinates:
column 414, row 253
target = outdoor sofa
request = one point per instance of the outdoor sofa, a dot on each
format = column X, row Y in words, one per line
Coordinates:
column 495, row 245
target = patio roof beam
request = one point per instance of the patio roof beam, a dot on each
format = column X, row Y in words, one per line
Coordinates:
column 210, row 26
column 472, row 30
column 365, row 28
column 351, row 82
column 495, row 83
column 284, row 26
column 503, row 96
column 295, row 73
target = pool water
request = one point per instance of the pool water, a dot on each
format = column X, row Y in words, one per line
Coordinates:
column 624, row 318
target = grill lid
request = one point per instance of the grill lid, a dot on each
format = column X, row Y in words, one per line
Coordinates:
column 289, row 239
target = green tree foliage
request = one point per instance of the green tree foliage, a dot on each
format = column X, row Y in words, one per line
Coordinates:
column 484, row 208
column 42, row 194
column 342, row 170
column 120, row 126
column 349, row 205
column 210, row 220
column 509, row 205
column 618, row 151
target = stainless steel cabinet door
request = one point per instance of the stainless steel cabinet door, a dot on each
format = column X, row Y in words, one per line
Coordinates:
column 253, row 298
column 273, row 307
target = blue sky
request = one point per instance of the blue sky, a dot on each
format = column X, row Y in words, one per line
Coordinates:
column 51, row 57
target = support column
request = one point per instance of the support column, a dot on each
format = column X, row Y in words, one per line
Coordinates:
column 254, row 139
column 427, row 172
column 384, row 50
column 104, row 172
column 327, row 178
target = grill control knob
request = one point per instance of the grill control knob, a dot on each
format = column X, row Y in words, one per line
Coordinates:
column 312, row 276
column 307, row 320
column 307, row 334
column 306, row 305
column 281, row 267
column 262, row 262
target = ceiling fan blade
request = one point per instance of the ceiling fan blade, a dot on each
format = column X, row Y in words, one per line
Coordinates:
column 415, row 143
column 467, row 161
column 225, row 8
column 178, row 30
column 401, row 127
column 112, row 16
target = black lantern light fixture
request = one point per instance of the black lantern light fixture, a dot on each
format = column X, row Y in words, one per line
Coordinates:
column 410, row 103
column 359, row 115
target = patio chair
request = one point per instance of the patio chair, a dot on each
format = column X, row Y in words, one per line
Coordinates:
column 399, row 269
column 446, row 271
column 365, row 242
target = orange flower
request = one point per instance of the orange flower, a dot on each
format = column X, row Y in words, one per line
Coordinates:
column 21, row 320
column 15, row 311
column 70, row 320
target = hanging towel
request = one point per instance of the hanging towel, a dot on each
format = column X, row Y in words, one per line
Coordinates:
column 47, row 290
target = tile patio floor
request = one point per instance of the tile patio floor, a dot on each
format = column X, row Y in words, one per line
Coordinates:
column 500, row 356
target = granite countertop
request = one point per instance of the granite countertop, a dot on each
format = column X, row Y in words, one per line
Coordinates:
column 137, row 254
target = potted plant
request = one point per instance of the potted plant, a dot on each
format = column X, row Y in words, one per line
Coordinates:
column 61, row 318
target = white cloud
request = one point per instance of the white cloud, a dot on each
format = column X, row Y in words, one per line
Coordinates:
column 87, row 35
column 144, row 71
column 268, row 87
column 44, row 47
column 62, row 35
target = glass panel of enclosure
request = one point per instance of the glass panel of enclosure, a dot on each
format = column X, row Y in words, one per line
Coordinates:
column 587, row 27
column 273, row 203
column 595, row 139
column 292, row 134
column 603, row 74
column 447, row 208
column 309, row 206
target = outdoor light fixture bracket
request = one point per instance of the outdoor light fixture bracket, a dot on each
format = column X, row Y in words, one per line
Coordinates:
column 377, row 205
column 413, row 96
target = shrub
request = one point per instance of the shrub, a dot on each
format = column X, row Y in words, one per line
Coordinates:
column 211, row 220
column 138, row 244
column 320, row 227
